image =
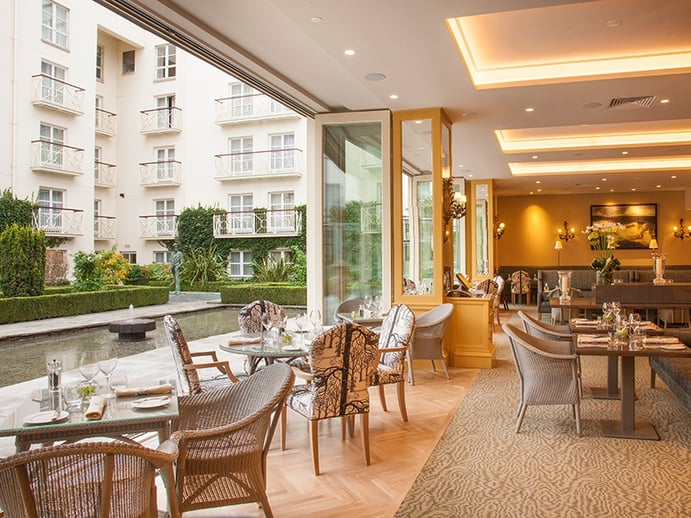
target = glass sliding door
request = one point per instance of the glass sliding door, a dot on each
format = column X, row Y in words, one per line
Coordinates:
column 353, row 247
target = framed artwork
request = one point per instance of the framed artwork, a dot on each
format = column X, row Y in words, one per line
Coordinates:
column 639, row 222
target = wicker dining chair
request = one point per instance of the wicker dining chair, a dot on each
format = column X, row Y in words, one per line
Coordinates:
column 394, row 339
column 224, row 436
column 189, row 379
column 427, row 343
column 342, row 361
column 347, row 307
column 251, row 315
column 547, row 371
column 87, row 479
column 520, row 286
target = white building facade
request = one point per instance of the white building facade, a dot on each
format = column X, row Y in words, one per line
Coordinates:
column 114, row 132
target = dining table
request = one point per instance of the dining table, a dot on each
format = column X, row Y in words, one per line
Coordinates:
column 257, row 351
column 664, row 346
column 372, row 322
column 34, row 420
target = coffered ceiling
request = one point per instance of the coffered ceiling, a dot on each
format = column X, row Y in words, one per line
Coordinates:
column 580, row 96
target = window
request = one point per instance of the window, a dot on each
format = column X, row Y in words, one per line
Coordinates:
column 241, row 217
column 130, row 257
column 282, row 215
column 52, row 140
column 165, row 61
column 165, row 163
column 54, row 23
column 99, row 62
column 241, row 159
column 97, row 221
column 98, row 153
column 128, row 62
column 240, row 264
column 165, row 115
column 162, row 256
column 242, row 100
column 165, row 217
column 53, row 86
column 50, row 203
column 281, row 254
column 283, row 152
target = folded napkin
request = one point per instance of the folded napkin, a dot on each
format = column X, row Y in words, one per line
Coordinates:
column 581, row 321
column 96, row 407
column 662, row 340
column 593, row 339
column 166, row 388
column 242, row 340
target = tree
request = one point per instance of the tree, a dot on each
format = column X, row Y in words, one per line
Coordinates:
column 14, row 210
column 22, row 261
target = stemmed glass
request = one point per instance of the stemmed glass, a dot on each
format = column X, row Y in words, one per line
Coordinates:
column 107, row 362
column 88, row 365
column 300, row 323
column 316, row 320
column 266, row 326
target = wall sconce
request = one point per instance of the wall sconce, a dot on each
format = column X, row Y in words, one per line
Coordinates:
column 566, row 233
column 682, row 232
column 499, row 230
column 455, row 201
column 653, row 244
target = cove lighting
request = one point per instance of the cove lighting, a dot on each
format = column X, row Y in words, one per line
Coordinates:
column 595, row 166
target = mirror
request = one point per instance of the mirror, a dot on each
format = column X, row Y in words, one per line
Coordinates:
column 482, row 229
column 417, row 205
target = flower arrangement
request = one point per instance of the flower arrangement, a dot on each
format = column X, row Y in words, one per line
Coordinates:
column 604, row 238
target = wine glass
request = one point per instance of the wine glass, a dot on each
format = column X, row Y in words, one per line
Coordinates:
column 300, row 323
column 88, row 365
column 316, row 320
column 108, row 360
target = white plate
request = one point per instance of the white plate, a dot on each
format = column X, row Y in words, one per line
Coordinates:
column 46, row 417
column 673, row 347
column 151, row 403
column 292, row 348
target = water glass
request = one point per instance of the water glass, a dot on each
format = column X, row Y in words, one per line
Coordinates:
column 72, row 396
column 118, row 380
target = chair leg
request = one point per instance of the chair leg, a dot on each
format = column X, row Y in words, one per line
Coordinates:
column 382, row 397
column 652, row 378
column 521, row 415
column 364, row 424
column 284, row 424
column 314, row 441
column 411, row 376
column 446, row 371
column 434, row 367
column 400, row 390
column 577, row 411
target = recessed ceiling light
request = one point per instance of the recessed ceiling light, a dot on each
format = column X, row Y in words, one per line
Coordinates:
column 658, row 186
column 597, row 188
column 393, row 96
column 673, row 177
column 604, row 179
column 633, row 188
column 531, row 192
column 418, row 122
column 613, row 23
column 470, row 176
column 539, row 190
column 316, row 19
column 349, row 52
column 538, row 181
column 460, row 165
column 624, row 152
column 375, row 76
column 611, row 190
column 530, row 109
column 534, row 157
column 664, row 101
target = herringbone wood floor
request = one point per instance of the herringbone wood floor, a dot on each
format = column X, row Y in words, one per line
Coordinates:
column 346, row 486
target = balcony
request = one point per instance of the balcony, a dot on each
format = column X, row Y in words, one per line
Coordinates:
column 104, row 174
column 104, row 227
column 258, row 223
column 370, row 218
column 105, row 123
column 242, row 109
column 259, row 164
column 158, row 227
column 51, row 157
column 54, row 94
column 59, row 222
column 160, row 121
column 160, row 174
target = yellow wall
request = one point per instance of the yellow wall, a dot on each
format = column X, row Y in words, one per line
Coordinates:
column 532, row 222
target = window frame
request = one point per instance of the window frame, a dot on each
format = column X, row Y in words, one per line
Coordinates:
column 129, row 60
column 100, row 53
column 166, row 62
column 244, row 265
column 51, row 30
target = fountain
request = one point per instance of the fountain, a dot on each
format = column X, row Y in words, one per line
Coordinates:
column 132, row 329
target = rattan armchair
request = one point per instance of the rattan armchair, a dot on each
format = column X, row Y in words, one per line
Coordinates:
column 87, row 479
column 394, row 339
column 548, row 373
column 251, row 316
column 224, row 437
column 189, row 379
column 347, row 307
column 427, row 343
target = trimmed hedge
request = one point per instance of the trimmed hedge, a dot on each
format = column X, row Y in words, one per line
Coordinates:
column 22, row 309
column 280, row 293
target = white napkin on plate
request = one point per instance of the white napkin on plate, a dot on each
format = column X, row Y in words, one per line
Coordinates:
column 96, row 407
column 242, row 340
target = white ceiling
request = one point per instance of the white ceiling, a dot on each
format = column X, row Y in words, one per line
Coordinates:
column 615, row 48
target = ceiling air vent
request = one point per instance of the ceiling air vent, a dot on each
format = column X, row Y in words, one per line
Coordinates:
column 619, row 103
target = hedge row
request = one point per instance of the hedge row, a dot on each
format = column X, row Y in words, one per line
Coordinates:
column 22, row 309
column 283, row 294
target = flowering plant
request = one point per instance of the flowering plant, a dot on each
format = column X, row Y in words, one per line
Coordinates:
column 604, row 238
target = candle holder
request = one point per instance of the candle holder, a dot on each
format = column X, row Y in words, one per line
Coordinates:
column 564, row 287
column 659, row 268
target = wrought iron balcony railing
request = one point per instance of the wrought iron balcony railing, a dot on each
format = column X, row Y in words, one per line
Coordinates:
column 248, row 108
column 258, row 223
column 278, row 162
column 165, row 172
column 104, row 174
column 59, row 222
column 104, row 227
column 51, row 157
column 158, row 227
column 106, row 123
column 161, row 120
column 57, row 95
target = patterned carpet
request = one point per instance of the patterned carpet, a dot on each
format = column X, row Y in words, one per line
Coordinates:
column 481, row 468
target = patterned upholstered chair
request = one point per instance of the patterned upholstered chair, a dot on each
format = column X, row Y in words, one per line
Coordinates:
column 547, row 371
column 224, row 437
column 87, row 479
column 343, row 359
column 520, row 286
column 427, row 344
column 394, row 339
column 250, row 317
column 189, row 379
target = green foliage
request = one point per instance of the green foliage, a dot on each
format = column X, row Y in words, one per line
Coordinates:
column 159, row 272
column 280, row 293
column 95, row 271
column 298, row 276
column 138, row 275
column 22, row 261
column 203, row 265
column 14, row 210
column 272, row 270
column 196, row 229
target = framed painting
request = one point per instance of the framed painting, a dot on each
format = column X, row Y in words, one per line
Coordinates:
column 639, row 222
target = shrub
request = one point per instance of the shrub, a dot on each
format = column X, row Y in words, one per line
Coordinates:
column 202, row 266
column 22, row 261
column 299, row 274
column 272, row 270
column 95, row 271
column 13, row 210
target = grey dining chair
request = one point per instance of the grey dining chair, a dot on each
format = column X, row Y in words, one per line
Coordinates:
column 427, row 343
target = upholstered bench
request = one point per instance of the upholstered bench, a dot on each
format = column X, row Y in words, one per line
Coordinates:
column 676, row 373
